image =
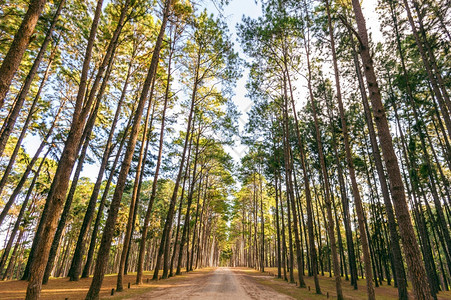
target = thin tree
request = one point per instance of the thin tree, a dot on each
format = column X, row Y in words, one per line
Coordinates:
column 411, row 250
column 107, row 236
column 355, row 189
column 18, row 46
column 60, row 182
column 8, row 125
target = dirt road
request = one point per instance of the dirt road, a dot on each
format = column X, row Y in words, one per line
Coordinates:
column 222, row 283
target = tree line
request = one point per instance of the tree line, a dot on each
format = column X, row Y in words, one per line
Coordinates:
column 141, row 88
column 347, row 173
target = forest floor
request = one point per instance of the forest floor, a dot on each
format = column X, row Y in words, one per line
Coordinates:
column 62, row 288
column 202, row 284
column 327, row 285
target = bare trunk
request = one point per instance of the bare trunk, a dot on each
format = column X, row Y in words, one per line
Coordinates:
column 57, row 193
column 105, row 245
column 14, row 113
column 20, row 43
column 355, row 188
column 412, row 253
column 135, row 193
column 142, row 245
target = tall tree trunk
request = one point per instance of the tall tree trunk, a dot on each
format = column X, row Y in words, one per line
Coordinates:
column 412, row 254
column 401, row 279
column 18, row 46
column 58, row 189
column 31, row 113
column 136, row 189
column 165, row 239
column 21, row 214
column 105, row 245
column 80, row 246
column 279, row 261
column 290, row 193
column 441, row 217
column 142, row 245
column 423, row 234
column 355, row 189
column 262, row 221
column 308, row 195
column 90, row 213
column 330, row 220
column 8, row 125
column 189, row 202
column 86, row 137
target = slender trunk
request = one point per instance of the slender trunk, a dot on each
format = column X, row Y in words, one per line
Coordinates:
column 279, row 265
column 308, row 195
column 412, row 254
column 18, row 46
column 330, row 220
column 290, row 193
column 401, row 279
column 284, row 244
column 355, row 189
column 142, row 245
column 58, row 189
column 165, row 239
column 80, row 246
column 136, row 188
column 14, row 113
column 105, row 245
column 24, row 129
column 188, row 205
column 88, row 218
column 441, row 217
column 423, row 235
column 86, row 137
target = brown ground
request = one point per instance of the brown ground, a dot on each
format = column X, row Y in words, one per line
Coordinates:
column 62, row 288
column 208, row 283
column 222, row 283
column 327, row 284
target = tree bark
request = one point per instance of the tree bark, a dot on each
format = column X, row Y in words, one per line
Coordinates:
column 105, row 245
column 412, row 254
column 18, row 46
column 355, row 189
column 60, row 182
column 8, row 125
column 136, row 190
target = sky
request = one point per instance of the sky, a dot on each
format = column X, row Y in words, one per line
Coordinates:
column 232, row 15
